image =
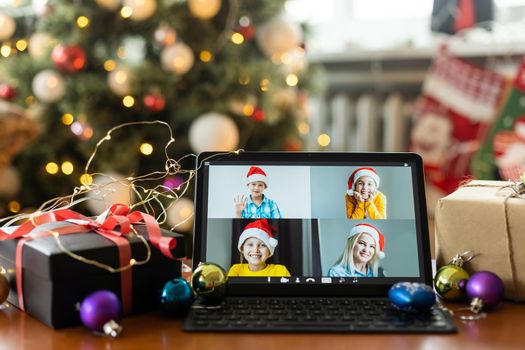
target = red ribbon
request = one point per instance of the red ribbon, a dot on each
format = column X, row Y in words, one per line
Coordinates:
column 106, row 225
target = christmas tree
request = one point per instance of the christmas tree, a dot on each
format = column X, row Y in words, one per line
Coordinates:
column 224, row 74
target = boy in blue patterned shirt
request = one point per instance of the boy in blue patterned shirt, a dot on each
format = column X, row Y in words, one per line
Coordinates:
column 256, row 205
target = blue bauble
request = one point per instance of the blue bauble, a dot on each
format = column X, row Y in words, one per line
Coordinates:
column 176, row 297
column 408, row 296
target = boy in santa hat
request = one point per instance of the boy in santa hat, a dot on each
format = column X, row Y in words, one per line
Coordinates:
column 363, row 200
column 256, row 245
column 256, row 205
column 364, row 248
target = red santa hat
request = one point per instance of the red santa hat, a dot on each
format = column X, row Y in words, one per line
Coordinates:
column 256, row 174
column 378, row 237
column 359, row 172
column 259, row 229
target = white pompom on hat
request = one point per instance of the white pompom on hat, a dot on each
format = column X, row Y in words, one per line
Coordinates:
column 378, row 237
column 360, row 172
column 256, row 174
column 260, row 229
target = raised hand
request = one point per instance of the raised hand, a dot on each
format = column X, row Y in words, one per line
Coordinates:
column 240, row 204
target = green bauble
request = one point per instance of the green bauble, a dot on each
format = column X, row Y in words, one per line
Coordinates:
column 209, row 282
column 450, row 282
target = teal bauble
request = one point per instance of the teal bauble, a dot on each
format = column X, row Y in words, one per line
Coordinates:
column 176, row 297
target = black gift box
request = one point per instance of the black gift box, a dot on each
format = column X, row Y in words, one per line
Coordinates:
column 54, row 283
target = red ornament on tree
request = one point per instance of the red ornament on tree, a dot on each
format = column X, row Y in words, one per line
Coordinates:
column 293, row 145
column 258, row 115
column 7, row 92
column 69, row 58
column 248, row 32
column 154, row 102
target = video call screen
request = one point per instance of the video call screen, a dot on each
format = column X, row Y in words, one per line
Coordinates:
column 326, row 223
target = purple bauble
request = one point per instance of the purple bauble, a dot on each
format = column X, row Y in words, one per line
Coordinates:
column 486, row 286
column 100, row 307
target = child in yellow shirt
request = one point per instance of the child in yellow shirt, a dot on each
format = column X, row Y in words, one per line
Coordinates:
column 363, row 200
column 256, row 245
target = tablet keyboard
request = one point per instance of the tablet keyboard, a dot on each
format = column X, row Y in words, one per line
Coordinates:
column 313, row 315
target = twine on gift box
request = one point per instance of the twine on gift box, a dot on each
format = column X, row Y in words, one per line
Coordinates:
column 517, row 190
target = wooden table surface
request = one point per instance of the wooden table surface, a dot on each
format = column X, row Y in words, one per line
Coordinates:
column 503, row 328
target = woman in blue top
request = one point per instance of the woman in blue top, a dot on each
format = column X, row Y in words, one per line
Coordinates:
column 364, row 248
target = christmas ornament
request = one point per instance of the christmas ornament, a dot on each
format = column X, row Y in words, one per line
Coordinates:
column 141, row 9
column 204, row 9
column 213, row 132
column 165, row 35
column 277, row 37
column 108, row 4
column 177, row 58
column 4, row 288
column 180, row 214
column 258, row 115
column 120, row 81
column 48, row 86
column 41, row 7
column 248, row 32
column 450, row 280
column 111, row 188
column 154, row 102
column 209, row 282
column 7, row 26
column 39, row 44
column 173, row 182
column 97, row 311
column 407, row 296
column 69, row 58
column 485, row 289
column 176, row 297
column 10, row 182
column 7, row 92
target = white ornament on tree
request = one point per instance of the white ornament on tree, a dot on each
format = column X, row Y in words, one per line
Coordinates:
column 180, row 214
column 141, row 9
column 7, row 26
column 177, row 58
column 213, row 132
column 10, row 183
column 204, row 9
column 40, row 43
column 119, row 81
column 48, row 86
column 278, row 36
column 110, row 189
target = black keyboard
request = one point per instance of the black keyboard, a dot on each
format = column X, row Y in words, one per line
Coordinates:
column 313, row 314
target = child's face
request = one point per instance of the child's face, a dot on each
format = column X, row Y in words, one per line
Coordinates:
column 364, row 249
column 365, row 186
column 256, row 188
column 255, row 251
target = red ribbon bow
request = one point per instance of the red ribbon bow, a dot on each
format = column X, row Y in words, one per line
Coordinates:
column 114, row 224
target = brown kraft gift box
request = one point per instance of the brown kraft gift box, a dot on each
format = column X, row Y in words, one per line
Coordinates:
column 487, row 217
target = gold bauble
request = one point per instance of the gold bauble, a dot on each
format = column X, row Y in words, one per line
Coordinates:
column 450, row 282
column 209, row 282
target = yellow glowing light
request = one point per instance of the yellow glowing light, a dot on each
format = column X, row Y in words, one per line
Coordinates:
column 67, row 119
column 67, row 167
column 146, row 149
column 303, row 128
column 13, row 206
column 82, row 22
column 128, row 101
column 86, row 179
column 30, row 99
column 52, row 168
column 126, row 12
column 121, row 52
column 237, row 38
column 248, row 109
column 5, row 50
column 264, row 84
column 244, row 79
column 21, row 45
column 292, row 80
column 205, row 56
column 110, row 65
column 323, row 140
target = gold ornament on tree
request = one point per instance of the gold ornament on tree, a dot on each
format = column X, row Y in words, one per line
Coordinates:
column 141, row 9
column 177, row 58
column 48, row 86
column 204, row 9
column 120, row 80
column 213, row 132
column 180, row 215
column 7, row 26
